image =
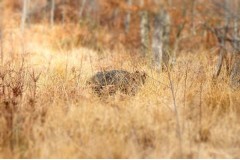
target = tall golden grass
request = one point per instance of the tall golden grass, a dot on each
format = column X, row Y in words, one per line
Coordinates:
column 47, row 111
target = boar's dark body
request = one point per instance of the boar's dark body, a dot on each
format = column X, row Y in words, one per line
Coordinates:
column 109, row 82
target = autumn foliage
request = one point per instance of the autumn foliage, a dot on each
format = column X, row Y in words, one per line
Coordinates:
column 187, row 19
column 47, row 105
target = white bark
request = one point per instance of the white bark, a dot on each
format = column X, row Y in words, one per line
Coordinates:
column 52, row 12
column 63, row 13
column 144, row 26
column 235, row 73
column 128, row 17
column 82, row 8
column 193, row 28
column 160, row 41
column 24, row 14
column 222, row 37
column 144, row 30
column 1, row 35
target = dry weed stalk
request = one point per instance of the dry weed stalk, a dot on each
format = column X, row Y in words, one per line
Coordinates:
column 178, row 129
column 12, row 83
column 34, row 77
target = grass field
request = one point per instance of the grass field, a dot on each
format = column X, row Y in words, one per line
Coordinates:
column 47, row 111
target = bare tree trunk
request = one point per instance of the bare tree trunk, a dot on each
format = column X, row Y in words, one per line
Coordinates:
column 128, row 17
column 230, row 34
column 93, row 10
column 1, row 44
column 180, row 29
column 1, row 33
column 52, row 12
column 24, row 14
column 166, row 37
column 193, row 30
column 91, row 7
column 144, row 31
column 115, row 15
column 157, row 42
column 46, row 9
column 63, row 14
column 160, row 41
column 82, row 8
column 235, row 27
column 221, row 40
column 235, row 40
column 144, row 26
column 235, row 72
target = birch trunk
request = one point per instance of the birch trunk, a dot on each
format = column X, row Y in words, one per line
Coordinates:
column 1, row 34
column 52, row 12
column 128, row 17
column 235, row 73
column 144, row 26
column 81, row 9
column 63, row 14
column 144, row 31
column 24, row 14
column 160, row 41
column 193, row 5
column 221, row 40
column 1, row 45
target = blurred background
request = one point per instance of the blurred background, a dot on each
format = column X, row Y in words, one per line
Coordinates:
column 115, row 23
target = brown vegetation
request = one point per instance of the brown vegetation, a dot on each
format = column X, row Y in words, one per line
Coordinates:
column 48, row 111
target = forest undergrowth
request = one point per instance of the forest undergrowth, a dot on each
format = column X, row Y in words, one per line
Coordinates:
column 48, row 111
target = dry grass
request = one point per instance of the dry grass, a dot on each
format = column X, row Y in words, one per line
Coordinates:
column 47, row 111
